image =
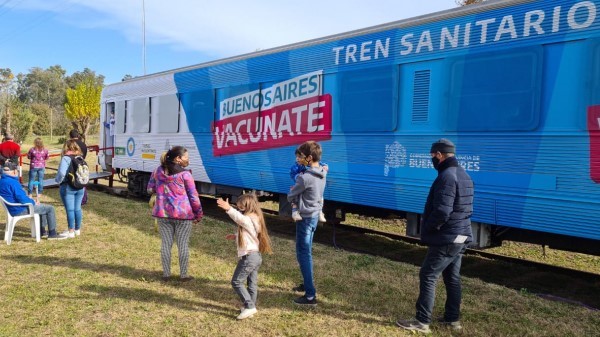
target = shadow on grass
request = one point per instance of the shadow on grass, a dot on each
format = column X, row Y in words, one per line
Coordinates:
column 502, row 273
column 207, row 290
column 151, row 296
column 77, row 263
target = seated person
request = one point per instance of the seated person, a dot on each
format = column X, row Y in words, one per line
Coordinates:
column 11, row 191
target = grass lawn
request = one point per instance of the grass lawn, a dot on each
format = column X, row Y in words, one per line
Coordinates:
column 107, row 283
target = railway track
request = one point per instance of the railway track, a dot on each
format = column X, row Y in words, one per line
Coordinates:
column 389, row 245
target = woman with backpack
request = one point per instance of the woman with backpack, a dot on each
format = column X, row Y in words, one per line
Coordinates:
column 70, row 193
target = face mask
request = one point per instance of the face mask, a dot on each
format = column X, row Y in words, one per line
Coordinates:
column 436, row 162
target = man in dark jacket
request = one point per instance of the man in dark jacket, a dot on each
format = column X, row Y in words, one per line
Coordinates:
column 446, row 230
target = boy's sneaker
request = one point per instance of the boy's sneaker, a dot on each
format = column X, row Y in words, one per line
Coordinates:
column 296, row 216
column 44, row 235
column 247, row 313
column 456, row 326
column 68, row 234
column 56, row 237
column 77, row 232
column 304, row 301
column 322, row 217
column 413, row 325
column 299, row 288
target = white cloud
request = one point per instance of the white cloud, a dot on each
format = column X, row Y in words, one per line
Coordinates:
column 231, row 27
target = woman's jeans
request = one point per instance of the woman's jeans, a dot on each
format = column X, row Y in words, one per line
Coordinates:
column 71, row 199
column 444, row 260
column 305, row 231
column 247, row 272
column 33, row 173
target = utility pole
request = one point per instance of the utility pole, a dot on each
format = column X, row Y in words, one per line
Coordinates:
column 144, row 34
column 50, row 108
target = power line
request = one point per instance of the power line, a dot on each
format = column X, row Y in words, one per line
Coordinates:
column 43, row 17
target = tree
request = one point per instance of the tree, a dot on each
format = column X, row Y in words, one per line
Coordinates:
column 6, row 80
column 22, row 120
column 44, row 86
column 83, row 105
column 41, row 126
column 468, row 2
column 82, row 76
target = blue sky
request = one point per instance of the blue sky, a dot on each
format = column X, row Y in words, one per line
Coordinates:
column 106, row 35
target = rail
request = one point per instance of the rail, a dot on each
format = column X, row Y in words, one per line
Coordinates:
column 57, row 153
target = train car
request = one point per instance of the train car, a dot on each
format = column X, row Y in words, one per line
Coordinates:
column 514, row 84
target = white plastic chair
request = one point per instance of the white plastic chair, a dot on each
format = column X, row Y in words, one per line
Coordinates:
column 11, row 221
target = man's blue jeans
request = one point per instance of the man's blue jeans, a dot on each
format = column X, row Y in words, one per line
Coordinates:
column 445, row 260
column 33, row 173
column 47, row 217
column 71, row 198
column 305, row 231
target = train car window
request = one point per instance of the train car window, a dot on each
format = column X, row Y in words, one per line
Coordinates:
column 368, row 99
column 495, row 92
column 125, row 114
column 199, row 108
column 151, row 100
column 236, row 101
column 120, row 117
column 165, row 112
column 140, row 115
column 596, row 75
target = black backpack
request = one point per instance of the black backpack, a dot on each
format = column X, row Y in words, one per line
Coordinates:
column 78, row 175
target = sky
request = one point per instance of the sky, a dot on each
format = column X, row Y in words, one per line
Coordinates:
column 107, row 36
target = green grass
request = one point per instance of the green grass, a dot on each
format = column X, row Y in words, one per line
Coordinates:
column 526, row 251
column 107, row 283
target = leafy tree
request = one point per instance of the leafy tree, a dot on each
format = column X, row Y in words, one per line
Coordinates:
column 83, row 105
column 61, row 124
column 6, row 80
column 468, row 2
column 83, row 76
column 41, row 126
column 43, row 86
column 21, row 120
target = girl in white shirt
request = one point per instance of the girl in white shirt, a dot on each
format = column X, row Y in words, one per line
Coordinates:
column 252, row 239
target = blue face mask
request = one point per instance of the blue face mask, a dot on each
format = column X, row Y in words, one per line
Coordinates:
column 436, row 162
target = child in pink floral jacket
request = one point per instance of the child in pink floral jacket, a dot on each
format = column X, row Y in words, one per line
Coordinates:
column 38, row 156
column 177, row 206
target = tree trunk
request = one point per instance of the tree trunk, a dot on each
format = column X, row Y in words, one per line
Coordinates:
column 8, row 117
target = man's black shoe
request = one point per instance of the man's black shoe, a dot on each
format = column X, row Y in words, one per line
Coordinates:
column 304, row 301
column 299, row 288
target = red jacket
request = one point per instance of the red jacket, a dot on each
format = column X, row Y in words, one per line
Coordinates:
column 10, row 149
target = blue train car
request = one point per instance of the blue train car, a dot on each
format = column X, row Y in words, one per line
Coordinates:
column 514, row 84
